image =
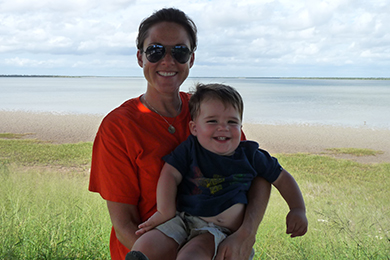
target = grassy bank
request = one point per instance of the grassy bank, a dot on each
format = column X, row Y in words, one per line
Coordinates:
column 46, row 211
column 347, row 207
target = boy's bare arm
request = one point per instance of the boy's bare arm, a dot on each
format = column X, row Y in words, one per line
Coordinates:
column 296, row 219
column 166, row 199
column 167, row 184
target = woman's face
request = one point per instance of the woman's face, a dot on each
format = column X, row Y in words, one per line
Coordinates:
column 166, row 75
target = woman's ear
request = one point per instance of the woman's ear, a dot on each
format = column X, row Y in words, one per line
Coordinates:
column 192, row 126
column 140, row 59
column 192, row 60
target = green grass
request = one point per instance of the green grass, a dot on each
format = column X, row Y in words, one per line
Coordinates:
column 348, row 208
column 46, row 211
column 31, row 152
column 49, row 215
column 11, row 135
column 355, row 151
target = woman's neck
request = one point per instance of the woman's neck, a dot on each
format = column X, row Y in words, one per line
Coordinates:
column 165, row 105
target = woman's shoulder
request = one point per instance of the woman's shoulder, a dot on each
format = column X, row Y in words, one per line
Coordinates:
column 127, row 110
column 129, row 106
column 185, row 96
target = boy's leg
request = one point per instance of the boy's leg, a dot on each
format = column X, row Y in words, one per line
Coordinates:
column 198, row 248
column 156, row 246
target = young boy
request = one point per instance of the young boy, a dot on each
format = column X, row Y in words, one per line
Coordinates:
column 201, row 193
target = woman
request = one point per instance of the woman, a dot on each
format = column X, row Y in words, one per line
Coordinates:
column 132, row 139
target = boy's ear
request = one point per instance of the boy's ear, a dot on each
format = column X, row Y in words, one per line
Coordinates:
column 192, row 126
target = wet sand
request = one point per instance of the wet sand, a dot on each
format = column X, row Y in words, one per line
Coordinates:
column 58, row 128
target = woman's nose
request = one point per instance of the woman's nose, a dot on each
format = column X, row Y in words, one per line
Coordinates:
column 168, row 58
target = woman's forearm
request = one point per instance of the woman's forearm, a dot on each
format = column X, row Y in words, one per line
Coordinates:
column 125, row 220
column 239, row 244
column 258, row 197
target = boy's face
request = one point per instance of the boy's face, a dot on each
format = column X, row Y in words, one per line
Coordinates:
column 218, row 128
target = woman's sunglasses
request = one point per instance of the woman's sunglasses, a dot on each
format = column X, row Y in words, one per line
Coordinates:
column 156, row 52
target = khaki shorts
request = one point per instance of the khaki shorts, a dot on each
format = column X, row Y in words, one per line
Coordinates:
column 184, row 227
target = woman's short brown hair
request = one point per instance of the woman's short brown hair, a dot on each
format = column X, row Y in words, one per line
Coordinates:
column 167, row 15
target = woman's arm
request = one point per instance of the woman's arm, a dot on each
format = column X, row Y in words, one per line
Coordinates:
column 125, row 220
column 239, row 244
column 167, row 184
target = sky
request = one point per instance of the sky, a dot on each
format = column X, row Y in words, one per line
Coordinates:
column 253, row 38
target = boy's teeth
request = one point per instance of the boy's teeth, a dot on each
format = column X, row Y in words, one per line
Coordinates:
column 221, row 138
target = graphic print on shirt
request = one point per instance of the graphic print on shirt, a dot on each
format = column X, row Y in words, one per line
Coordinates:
column 216, row 183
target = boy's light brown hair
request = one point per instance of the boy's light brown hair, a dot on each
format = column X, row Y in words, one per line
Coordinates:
column 224, row 93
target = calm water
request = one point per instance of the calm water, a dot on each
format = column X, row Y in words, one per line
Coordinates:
column 272, row 101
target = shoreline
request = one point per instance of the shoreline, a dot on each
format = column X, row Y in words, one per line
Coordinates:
column 53, row 127
column 314, row 139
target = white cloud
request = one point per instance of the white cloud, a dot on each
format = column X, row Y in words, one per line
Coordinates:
column 24, row 62
column 236, row 38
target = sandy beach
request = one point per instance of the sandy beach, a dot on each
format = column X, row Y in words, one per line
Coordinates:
column 58, row 128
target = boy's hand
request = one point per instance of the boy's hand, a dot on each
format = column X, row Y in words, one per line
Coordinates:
column 296, row 222
column 155, row 220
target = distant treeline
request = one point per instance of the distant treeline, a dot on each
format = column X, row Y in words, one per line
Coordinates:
column 338, row 78
column 322, row 78
column 37, row 76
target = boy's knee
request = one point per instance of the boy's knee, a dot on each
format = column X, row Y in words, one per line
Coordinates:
column 200, row 247
column 147, row 241
column 143, row 243
column 155, row 241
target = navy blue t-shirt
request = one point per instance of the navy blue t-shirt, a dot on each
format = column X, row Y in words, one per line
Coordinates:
column 213, row 183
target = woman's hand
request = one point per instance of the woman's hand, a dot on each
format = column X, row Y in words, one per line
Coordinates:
column 236, row 246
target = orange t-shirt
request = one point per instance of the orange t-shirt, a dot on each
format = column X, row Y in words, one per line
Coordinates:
column 127, row 157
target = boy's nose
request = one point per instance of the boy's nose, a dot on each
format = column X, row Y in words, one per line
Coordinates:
column 223, row 127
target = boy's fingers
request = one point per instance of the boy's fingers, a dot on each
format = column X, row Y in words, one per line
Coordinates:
column 139, row 232
column 299, row 232
column 290, row 227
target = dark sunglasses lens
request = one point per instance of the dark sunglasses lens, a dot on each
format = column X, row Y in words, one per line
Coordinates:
column 181, row 53
column 155, row 53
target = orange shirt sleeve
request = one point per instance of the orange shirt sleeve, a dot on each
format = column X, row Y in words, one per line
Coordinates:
column 128, row 150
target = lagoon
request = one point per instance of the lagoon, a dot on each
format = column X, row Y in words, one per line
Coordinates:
column 336, row 102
